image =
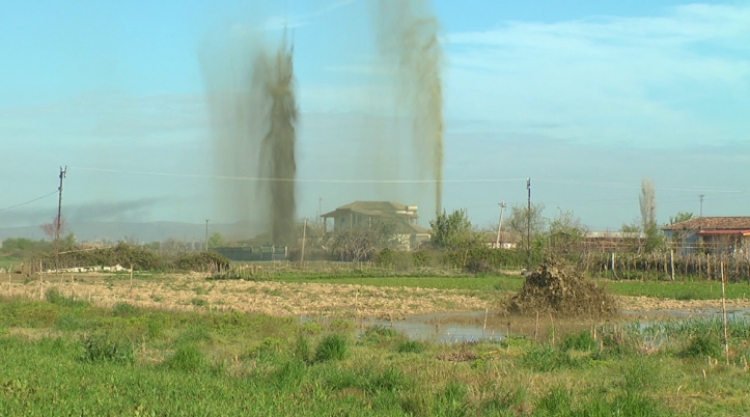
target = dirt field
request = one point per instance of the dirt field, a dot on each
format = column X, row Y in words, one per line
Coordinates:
column 193, row 292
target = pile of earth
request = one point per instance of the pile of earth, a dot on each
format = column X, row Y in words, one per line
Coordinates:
column 555, row 288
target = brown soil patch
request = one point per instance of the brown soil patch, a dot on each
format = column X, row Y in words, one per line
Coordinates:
column 651, row 304
column 556, row 289
column 194, row 292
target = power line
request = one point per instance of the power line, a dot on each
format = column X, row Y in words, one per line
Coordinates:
column 299, row 180
column 402, row 181
column 30, row 201
column 628, row 185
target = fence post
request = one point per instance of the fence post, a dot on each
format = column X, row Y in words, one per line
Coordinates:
column 724, row 312
column 671, row 262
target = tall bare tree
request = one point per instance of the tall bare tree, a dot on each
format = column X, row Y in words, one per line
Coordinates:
column 647, row 199
column 648, row 203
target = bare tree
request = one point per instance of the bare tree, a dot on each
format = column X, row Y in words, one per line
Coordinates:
column 647, row 199
column 52, row 229
column 520, row 217
column 648, row 203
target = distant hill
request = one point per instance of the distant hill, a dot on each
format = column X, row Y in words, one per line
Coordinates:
column 139, row 232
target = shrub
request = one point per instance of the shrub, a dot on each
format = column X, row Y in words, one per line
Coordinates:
column 202, row 262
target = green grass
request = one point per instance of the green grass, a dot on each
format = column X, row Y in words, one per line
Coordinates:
column 9, row 262
column 677, row 290
column 60, row 358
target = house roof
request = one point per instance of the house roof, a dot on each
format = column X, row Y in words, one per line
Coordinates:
column 615, row 235
column 712, row 223
column 375, row 209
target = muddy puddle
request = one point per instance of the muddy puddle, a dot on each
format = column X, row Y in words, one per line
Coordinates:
column 471, row 326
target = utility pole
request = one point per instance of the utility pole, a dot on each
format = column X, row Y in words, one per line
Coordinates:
column 58, row 220
column 206, row 241
column 320, row 209
column 528, row 227
column 500, row 225
column 304, row 237
column 701, row 212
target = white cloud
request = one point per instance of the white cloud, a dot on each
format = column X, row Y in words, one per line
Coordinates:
column 643, row 81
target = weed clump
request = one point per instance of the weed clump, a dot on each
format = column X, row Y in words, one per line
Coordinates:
column 557, row 289
column 186, row 358
column 105, row 347
column 333, row 347
column 702, row 345
column 53, row 296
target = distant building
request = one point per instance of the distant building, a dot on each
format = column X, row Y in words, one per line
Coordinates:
column 612, row 241
column 409, row 233
column 713, row 235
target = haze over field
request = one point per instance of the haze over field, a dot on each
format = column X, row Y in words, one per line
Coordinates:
column 585, row 98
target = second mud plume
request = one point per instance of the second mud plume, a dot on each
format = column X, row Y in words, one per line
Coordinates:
column 407, row 33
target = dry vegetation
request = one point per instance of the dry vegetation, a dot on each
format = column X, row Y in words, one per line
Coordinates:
column 194, row 291
column 557, row 289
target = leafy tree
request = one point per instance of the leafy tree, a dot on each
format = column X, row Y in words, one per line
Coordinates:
column 451, row 230
column 216, row 240
column 680, row 217
column 566, row 232
column 22, row 247
column 521, row 220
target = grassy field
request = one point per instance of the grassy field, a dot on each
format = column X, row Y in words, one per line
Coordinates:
column 495, row 284
column 63, row 357
column 6, row 263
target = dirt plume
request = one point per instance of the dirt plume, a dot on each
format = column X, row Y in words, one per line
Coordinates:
column 254, row 115
column 407, row 35
column 557, row 289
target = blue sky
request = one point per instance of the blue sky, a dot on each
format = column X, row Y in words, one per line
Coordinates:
column 584, row 97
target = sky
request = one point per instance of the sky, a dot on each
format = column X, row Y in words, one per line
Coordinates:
column 585, row 98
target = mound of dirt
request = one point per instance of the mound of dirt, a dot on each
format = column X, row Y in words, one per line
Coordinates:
column 557, row 289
